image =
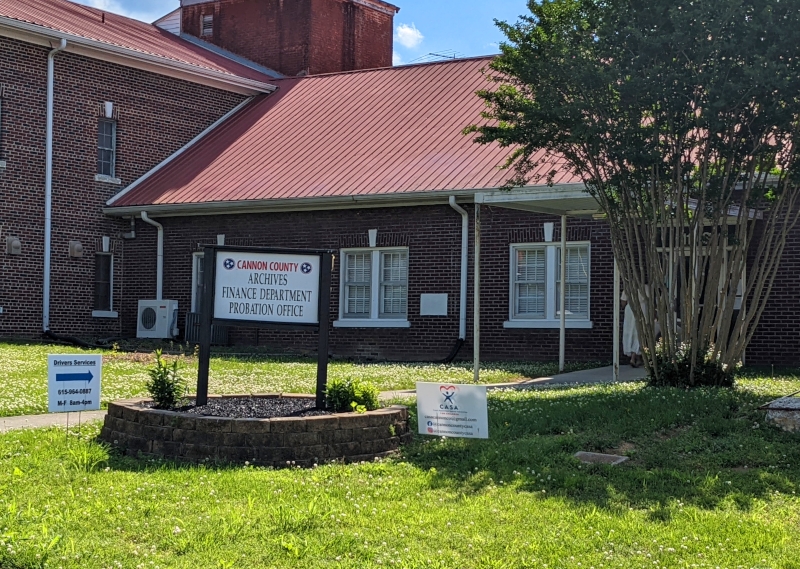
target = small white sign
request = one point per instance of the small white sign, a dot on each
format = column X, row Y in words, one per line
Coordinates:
column 73, row 382
column 452, row 410
column 267, row 287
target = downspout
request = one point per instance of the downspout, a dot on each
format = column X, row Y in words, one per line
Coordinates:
column 462, row 301
column 160, row 254
column 48, row 186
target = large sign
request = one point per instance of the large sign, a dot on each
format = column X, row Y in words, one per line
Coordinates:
column 452, row 410
column 73, row 382
column 267, row 287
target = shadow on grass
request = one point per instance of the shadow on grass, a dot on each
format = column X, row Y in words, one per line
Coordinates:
column 705, row 448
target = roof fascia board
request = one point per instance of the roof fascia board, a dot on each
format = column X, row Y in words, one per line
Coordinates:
column 284, row 205
column 437, row 197
column 384, row 7
column 39, row 35
column 181, row 150
column 531, row 194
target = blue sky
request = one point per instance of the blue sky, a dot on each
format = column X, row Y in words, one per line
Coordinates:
column 465, row 27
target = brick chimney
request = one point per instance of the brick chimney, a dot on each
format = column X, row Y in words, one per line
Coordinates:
column 297, row 37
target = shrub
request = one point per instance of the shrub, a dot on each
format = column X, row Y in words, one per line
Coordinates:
column 708, row 371
column 351, row 394
column 165, row 385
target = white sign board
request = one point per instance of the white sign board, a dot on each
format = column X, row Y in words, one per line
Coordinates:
column 267, row 287
column 73, row 382
column 452, row 410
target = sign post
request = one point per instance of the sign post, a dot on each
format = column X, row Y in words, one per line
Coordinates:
column 265, row 288
column 73, row 382
column 451, row 410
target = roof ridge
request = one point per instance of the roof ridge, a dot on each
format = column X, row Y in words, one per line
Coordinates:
column 394, row 67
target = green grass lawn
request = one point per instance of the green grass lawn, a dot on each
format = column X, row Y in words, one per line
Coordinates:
column 23, row 375
column 708, row 485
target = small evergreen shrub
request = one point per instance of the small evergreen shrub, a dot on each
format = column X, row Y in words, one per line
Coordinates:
column 351, row 395
column 708, row 371
column 165, row 385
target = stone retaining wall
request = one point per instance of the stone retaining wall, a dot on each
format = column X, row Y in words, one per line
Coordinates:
column 302, row 441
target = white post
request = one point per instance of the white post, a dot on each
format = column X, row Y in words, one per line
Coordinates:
column 616, row 320
column 476, row 324
column 562, row 339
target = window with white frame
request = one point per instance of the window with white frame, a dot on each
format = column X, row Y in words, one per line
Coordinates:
column 535, row 285
column 197, row 281
column 207, row 25
column 106, row 147
column 374, row 287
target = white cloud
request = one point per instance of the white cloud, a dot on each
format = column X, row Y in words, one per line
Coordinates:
column 118, row 7
column 396, row 58
column 409, row 36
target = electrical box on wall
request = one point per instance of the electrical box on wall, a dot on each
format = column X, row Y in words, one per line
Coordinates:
column 13, row 246
column 433, row 304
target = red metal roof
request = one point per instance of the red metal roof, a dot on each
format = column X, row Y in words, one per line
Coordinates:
column 115, row 30
column 386, row 131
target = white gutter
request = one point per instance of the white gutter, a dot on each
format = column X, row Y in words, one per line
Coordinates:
column 123, row 55
column 160, row 254
column 180, row 151
column 462, row 301
column 48, row 185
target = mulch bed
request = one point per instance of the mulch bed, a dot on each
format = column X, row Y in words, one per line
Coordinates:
column 255, row 408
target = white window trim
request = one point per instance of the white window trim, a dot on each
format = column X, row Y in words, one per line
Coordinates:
column 551, row 318
column 195, row 261
column 107, row 179
column 374, row 321
column 105, row 314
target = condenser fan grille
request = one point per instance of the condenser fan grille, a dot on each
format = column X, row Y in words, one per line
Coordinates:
column 148, row 318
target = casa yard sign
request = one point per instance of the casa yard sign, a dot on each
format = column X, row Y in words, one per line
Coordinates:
column 267, row 288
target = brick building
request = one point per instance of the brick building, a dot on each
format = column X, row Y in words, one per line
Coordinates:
column 199, row 130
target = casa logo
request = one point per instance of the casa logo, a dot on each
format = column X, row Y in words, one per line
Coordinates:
column 448, row 392
column 306, row 268
column 229, row 264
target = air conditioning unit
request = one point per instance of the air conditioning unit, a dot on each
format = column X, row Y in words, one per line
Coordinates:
column 157, row 319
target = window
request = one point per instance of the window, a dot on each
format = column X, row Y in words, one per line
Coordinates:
column 106, row 147
column 374, row 288
column 104, row 285
column 535, row 286
column 207, row 25
column 197, row 281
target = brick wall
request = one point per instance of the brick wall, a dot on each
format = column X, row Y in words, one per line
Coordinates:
column 314, row 36
column 433, row 236
column 157, row 115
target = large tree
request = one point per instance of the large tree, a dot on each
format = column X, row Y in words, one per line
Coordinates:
column 682, row 119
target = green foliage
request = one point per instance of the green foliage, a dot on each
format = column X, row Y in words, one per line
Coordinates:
column 674, row 115
column 165, row 386
column 675, row 371
column 351, row 394
column 707, row 484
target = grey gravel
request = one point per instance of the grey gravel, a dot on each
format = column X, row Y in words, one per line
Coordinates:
column 256, row 408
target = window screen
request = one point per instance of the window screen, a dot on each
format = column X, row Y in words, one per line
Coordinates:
column 577, row 292
column 103, row 266
column 394, row 284
column 529, row 283
column 357, row 287
column 106, row 147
